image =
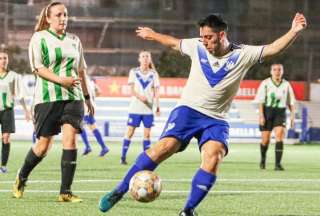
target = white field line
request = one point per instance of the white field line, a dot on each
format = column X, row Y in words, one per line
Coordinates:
column 174, row 180
column 185, row 191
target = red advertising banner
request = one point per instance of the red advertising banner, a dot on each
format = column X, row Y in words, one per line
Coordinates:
column 172, row 88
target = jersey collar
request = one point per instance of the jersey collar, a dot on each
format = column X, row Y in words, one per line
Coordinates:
column 57, row 36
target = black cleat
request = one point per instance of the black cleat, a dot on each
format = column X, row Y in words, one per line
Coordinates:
column 188, row 212
column 278, row 167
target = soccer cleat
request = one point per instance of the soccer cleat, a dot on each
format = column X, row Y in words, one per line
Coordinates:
column 3, row 170
column 123, row 161
column 262, row 165
column 86, row 151
column 69, row 197
column 103, row 152
column 188, row 212
column 18, row 187
column 109, row 200
column 279, row 167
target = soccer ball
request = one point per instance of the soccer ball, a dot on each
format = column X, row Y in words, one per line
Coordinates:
column 145, row 186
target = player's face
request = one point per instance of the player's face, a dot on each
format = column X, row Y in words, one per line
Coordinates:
column 58, row 18
column 144, row 59
column 211, row 39
column 277, row 71
column 3, row 61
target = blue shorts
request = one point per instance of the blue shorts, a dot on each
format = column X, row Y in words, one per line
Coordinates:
column 134, row 120
column 184, row 123
column 89, row 119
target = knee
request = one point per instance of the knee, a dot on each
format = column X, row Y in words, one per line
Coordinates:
column 41, row 150
column 5, row 138
column 160, row 152
column 146, row 136
column 211, row 161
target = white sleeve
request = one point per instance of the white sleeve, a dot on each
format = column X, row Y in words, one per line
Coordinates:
column 35, row 52
column 82, row 62
column 188, row 46
column 291, row 98
column 131, row 78
column 156, row 80
column 261, row 93
column 252, row 54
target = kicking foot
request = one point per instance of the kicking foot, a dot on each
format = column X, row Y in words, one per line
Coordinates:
column 109, row 200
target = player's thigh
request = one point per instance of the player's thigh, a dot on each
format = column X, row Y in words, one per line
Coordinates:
column 279, row 132
column 212, row 153
column 163, row 149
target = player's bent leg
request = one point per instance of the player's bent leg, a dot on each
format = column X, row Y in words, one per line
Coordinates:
column 212, row 153
column 264, row 148
column 148, row 160
column 279, row 135
column 33, row 158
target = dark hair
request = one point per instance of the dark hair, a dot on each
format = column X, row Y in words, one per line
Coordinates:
column 215, row 22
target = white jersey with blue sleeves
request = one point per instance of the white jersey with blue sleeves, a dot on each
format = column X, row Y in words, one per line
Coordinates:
column 214, row 81
column 144, row 84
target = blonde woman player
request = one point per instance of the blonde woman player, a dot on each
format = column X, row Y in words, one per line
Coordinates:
column 11, row 87
column 144, row 82
column 56, row 58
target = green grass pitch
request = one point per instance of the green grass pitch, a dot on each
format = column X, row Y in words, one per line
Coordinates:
column 241, row 189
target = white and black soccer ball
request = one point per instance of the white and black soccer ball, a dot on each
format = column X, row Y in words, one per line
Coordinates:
column 145, row 186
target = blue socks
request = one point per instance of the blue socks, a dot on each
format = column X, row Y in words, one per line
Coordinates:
column 146, row 144
column 143, row 162
column 98, row 137
column 201, row 185
column 125, row 148
column 85, row 140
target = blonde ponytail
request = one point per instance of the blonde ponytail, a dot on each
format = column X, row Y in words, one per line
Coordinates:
column 42, row 23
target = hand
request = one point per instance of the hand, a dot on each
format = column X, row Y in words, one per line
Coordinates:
column 28, row 115
column 145, row 33
column 158, row 111
column 68, row 82
column 292, row 123
column 143, row 99
column 90, row 107
column 299, row 23
column 262, row 120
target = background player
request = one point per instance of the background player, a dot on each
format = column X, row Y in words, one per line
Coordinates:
column 11, row 88
column 144, row 82
column 274, row 94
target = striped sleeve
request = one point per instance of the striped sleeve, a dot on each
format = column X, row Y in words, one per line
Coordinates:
column 35, row 56
column 19, row 87
column 261, row 93
column 82, row 61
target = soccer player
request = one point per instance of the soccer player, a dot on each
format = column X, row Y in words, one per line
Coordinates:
column 144, row 82
column 11, row 88
column 274, row 94
column 217, row 68
column 90, row 121
column 56, row 58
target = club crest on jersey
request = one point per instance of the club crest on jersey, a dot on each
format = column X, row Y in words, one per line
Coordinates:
column 214, row 77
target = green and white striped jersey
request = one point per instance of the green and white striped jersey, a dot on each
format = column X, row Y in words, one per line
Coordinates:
column 63, row 56
column 276, row 96
column 11, row 87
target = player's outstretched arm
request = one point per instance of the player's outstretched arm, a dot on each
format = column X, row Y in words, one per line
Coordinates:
column 299, row 23
column 167, row 40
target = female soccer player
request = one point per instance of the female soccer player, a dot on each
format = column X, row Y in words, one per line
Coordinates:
column 56, row 57
column 144, row 82
column 274, row 94
column 217, row 68
column 11, row 87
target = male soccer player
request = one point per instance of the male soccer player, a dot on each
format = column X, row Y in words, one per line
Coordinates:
column 217, row 68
